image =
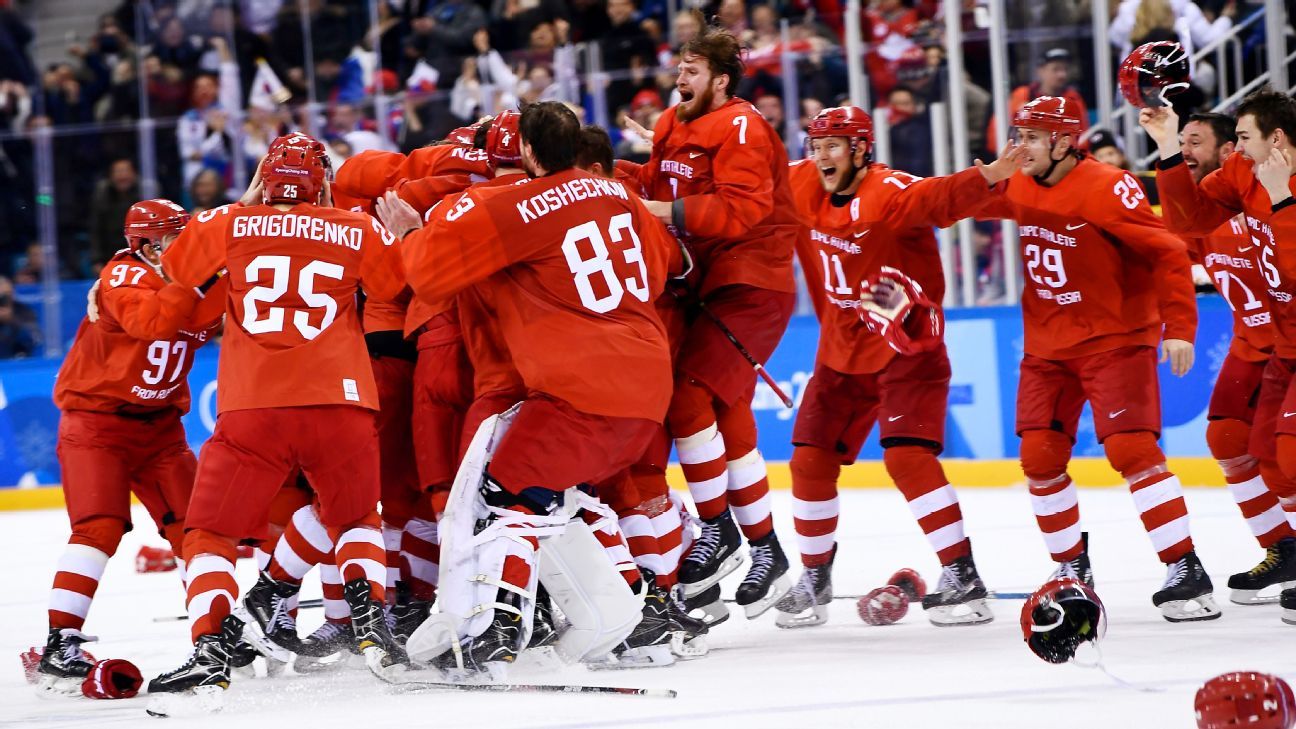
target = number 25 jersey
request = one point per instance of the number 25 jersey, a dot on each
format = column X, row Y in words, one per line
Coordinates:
column 292, row 332
column 1101, row 271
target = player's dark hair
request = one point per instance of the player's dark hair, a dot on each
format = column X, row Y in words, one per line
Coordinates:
column 553, row 132
column 722, row 52
column 595, row 147
column 1271, row 110
column 1223, row 126
column 479, row 136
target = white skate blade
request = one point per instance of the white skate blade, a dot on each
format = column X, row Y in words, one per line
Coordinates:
column 202, row 700
column 53, row 687
column 652, row 656
column 1289, row 616
column 713, row 613
column 972, row 612
column 688, row 650
column 1202, row 607
column 731, row 563
column 816, row 615
column 253, row 635
column 781, row 587
column 374, row 657
column 1254, row 597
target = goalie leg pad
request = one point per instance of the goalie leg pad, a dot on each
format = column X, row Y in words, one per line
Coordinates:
column 599, row 605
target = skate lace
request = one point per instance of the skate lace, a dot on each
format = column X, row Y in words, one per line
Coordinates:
column 1176, row 573
column 282, row 618
column 951, row 578
column 327, row 632
column 1268, row 564
column 762, row 558
column 706, row 545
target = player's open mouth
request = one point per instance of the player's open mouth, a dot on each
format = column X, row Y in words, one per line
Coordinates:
column 686, row 94
column 1191, row 163
column 828, row 173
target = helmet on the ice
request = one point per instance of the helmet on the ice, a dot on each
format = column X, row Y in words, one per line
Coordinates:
column 1060, row 616
column 1245, row 699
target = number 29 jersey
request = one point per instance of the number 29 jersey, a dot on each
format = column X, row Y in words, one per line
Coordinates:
column 1101, row 271
column 292, row 333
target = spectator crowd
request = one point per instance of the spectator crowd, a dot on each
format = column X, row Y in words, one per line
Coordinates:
column 220, row 78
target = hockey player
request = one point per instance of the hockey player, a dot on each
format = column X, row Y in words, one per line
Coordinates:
column 718, row 174
column 297, row 391
column 1106, row 283
column 1255, row 181
column 122, row 390
column 1234, row 263
column 571, row 264
column 863, row 216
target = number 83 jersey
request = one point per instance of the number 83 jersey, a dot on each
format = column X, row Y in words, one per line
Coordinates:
column 135, row 359
column 1101, row 272
column 292, row 333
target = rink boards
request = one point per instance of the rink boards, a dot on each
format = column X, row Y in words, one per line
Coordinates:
column 985, row 346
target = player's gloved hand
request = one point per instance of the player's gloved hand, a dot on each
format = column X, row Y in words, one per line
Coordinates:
column 92, row 302
column 397, row 215
column 894, row 307
column 1274, row 174
column 1162, row 124
column 1010, row 160
column 639, row 129
column 254, row 194
column 1179, row 354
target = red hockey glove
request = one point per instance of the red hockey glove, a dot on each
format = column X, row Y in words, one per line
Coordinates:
column 154, row 559
column 894, row 307
column 112, row 679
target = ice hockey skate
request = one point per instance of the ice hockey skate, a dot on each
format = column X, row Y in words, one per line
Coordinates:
column 1277, row 568
column 1186, row 595
column 959, row 597
column 806, row 605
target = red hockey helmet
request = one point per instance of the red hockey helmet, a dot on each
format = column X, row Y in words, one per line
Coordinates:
column 153, row 220
column 1245, row 699
column 294, row 170
column 1152, row 72
column 851, row 122
column 1056, row 114
column 462, row 135
column 503, row 142
column 1060, row 616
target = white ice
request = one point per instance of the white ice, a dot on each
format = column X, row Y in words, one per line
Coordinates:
column 844, row 674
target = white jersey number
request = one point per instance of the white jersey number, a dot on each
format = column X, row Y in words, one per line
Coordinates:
column 122, row 270
column 1053, row 274
column 159, row 353
column 1267, row 266
column 833, row 265
column 1224, row 281
column 280, row 271
column 619, row 230
column 1129, row 191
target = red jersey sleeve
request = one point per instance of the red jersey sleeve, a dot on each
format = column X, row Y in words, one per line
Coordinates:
column 938, row 202
column 148, row 313
column 1130, row 219
column 200, row 252
column 743, row 186
column 1193, row 209
column 458, row 247
column 1283, row 224
column 382, row 273
column 422, row 194
column 369, row 174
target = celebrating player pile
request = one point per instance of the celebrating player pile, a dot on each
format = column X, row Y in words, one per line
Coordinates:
column 452, row 380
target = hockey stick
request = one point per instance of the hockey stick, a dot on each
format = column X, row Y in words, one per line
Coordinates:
column 760, row 369
column 990, row 594
column 530, row 688
column 304, row 604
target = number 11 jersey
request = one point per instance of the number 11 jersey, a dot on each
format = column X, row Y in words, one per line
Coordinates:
column 292, row 333
column 1101, row 271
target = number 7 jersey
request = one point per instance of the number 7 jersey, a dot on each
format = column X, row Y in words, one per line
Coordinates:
column 1101, row 271
column 292, row 334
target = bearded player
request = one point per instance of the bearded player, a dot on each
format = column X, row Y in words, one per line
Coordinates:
column 122, row 390
column 1255, row 181
column 718, row 175
column 1106, row 284
column 1235, row 265
column 865, row 216
column 296, row 391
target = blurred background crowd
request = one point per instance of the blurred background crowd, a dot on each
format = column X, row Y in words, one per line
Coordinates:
column 179, row 98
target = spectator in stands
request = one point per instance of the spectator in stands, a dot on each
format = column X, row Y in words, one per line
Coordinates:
column 206, row 192
column 1139, row 21
column 33, row 266
column 19, row 333
column 15, row 106
column 628, row 53
column 201, row 133
column 15, row 36
column 770, row 106
column 513, row 21
column 443, row 35
column 175, row 47
column 1105, row 147
column 113, row 196
column 732, row 16
column 486, row 84
column 911, row 138
column 1052, row 78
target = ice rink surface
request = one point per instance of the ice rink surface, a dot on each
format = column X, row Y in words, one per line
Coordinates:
column 843, row 674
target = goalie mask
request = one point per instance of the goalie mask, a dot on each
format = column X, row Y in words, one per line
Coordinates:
column 1152, row 72
column 1060, row 616
column 1245, row 699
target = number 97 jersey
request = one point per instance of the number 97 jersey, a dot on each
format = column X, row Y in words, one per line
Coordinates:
column 292, row 331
